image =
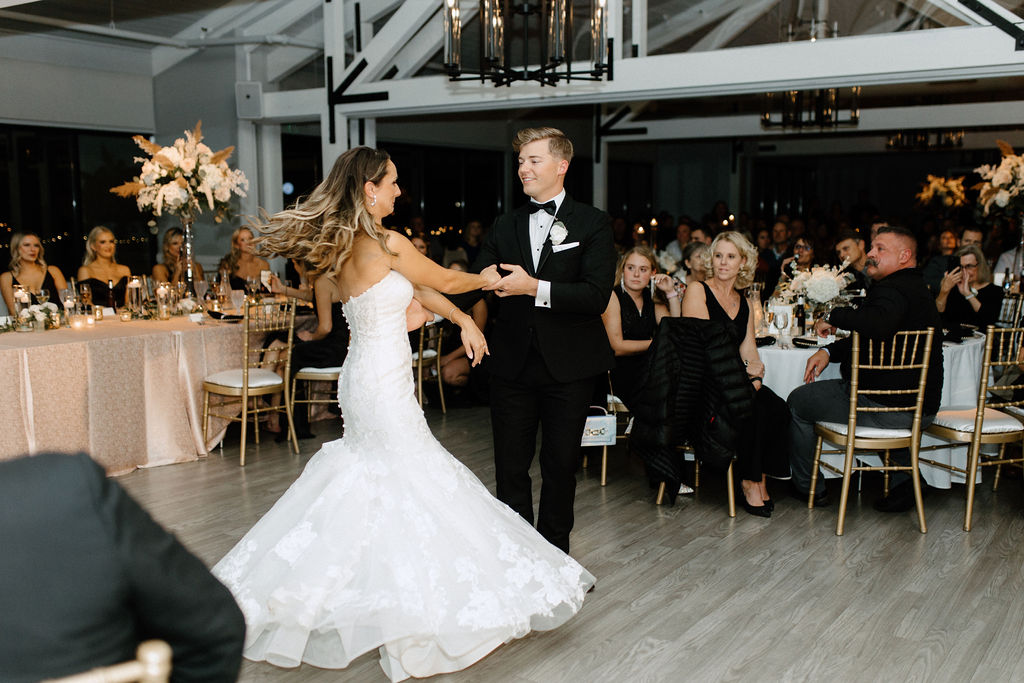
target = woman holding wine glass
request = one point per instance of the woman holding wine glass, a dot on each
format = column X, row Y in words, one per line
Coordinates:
column 172, row 268
column 762, row 450
column 241, row 263
column 107, row 278
column 28, row 269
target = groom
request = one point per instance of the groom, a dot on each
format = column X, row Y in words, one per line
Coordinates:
column 548, row 344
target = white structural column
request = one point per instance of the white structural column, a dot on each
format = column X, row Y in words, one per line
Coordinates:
column 271, row 173
column 334, row 50
column 247, row 151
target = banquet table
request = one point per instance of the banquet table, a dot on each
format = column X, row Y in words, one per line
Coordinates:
column 127, row 393
column 961, row 364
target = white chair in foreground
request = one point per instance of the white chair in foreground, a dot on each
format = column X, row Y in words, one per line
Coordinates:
column 152, row 664
column 984, row 424
column 907, row 352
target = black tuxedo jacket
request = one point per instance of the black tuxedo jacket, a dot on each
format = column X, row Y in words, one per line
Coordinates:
column 569, row 336
column 86, row 575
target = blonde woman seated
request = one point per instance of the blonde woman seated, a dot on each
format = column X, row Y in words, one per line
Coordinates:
column 966, row 294
column 29, row 270
column 172, row 268
column 100, row 268
column 763, row 448
column 632, row 317
column 241, row 263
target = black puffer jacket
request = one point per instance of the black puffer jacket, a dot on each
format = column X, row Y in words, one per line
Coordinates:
column 695, row 391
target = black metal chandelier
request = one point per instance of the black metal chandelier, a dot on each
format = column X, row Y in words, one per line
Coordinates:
column 555, row 21
column 800, row 109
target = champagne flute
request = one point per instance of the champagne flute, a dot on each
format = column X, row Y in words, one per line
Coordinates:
column 43, row 295
column 85, row 291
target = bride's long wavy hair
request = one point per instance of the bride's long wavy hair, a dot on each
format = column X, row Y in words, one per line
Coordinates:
column 321, row 228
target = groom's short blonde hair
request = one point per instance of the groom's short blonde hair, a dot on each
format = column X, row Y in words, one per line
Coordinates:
column 558, row 144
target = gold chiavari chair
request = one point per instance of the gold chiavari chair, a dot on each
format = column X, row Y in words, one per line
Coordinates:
column 615, row 407
column 256, row 378
column 908, row 351
column 152, row 664
column 985, row 423
column 428, row 358
column 314, row 394
column 729, row 485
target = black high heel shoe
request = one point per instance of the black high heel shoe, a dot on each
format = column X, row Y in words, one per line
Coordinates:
column 770, row 504
column 757, row 510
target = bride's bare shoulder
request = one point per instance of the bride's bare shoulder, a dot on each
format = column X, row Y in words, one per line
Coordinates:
column 366, row 265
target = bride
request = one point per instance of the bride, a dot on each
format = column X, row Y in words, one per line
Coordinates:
column 385, row 540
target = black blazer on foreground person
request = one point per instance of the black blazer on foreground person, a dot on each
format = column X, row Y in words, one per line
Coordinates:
column 899, row 301
column 86, row 575
column 569, row 336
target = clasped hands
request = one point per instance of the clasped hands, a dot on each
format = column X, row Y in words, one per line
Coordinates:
column 517, row 282
column 956, row 278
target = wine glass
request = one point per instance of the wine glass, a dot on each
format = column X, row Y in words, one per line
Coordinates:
column 85, row 291
column 201, row 286
column 43, row 295
column 769, row 316
column 782, row 322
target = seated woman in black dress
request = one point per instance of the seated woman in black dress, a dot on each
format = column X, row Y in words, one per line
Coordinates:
column 241, row 263
column 29, row 270
column 325, row 347
column 967, row 295
column 456, row 366
column 632, row 316
column 172, row 268
column 100, row 268
column 693, row 262
column 764, row 450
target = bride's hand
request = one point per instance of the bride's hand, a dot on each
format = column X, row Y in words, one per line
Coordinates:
column 492, row 275
column 474, row 341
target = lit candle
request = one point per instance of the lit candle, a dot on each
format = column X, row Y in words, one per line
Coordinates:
column 89, row 321
column 126, row 315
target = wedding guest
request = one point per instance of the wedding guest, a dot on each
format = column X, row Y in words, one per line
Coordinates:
column 700, row 234
column 676, row 246
column 898, row 300
column 100, row 268
column 29, row 269
column 778, row 253
column 632, row 317
column 471, row 240
column 802, row 259
column 693, row 263
column 241, row 263
column 325, row 347
column 763, row 272
column 967, row 295
column 421, row 244
column 89, row 575
column 730, row 263
column 850, row 250
column 972, row 235
column 941, row 261
column 456, row 366
column 172, row 268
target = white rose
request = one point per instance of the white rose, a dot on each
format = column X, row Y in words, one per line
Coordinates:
column 558, row 233
column 1002, row 198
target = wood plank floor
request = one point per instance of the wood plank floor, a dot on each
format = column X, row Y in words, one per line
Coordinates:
column 685, row 593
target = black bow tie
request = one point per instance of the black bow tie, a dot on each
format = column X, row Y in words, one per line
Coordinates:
column 550, row 207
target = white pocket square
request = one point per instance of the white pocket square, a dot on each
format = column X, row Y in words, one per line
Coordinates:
column 562, row 247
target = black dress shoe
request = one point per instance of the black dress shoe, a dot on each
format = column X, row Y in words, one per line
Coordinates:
column 900, row 498
column 820, row 496
column 757, row 510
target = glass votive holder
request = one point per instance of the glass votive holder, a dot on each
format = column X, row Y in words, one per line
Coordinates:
column 125, row 315
column 163, row 301
column 97, row 313
column 78, row 321
column 90, row 321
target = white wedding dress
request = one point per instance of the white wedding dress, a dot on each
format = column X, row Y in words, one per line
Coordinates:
column 387, row 541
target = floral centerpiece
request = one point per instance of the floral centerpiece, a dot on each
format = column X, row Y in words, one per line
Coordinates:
column 41, row 315
column 1002, row 186
column 667, row 262
column 821, row 286
column 947, row 192
column 184, row 179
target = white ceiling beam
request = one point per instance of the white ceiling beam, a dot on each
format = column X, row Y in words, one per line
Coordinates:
column 954, row 8
column 377, row 9
column 1002, row 11
column 217, row 23
column 283, row 16
column 133, row 36
column 399, row 29
column 282, row 61
column 693, row 19
column 417, row 52
column 12, row 3
column 883, row 119
column 919, row 56
column 737, row 23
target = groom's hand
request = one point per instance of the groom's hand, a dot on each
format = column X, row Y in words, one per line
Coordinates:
column 517, row 282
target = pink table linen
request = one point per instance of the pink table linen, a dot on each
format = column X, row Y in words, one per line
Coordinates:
column 129, row 394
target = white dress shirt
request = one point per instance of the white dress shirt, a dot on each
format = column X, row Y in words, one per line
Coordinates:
column 540, row 226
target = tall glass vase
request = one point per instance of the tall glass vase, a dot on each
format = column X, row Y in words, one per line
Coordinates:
column 188, row 253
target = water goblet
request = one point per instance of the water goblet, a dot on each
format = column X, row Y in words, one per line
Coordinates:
column 201, row 287
column 782, row 323
column 237, row 300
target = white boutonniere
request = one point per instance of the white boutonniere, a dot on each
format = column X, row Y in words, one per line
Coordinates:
column 558, row 233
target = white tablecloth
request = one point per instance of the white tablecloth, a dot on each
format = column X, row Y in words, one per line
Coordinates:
column 961, row 364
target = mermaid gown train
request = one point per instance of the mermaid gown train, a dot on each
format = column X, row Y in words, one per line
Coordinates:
column 387, row 541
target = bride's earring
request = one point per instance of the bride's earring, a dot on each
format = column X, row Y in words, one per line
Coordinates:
column 374, row 202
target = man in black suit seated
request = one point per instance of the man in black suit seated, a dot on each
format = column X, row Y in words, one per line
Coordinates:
column 850, row 250
column 87, row 575
column 898, row 300
column 548, row 344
